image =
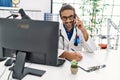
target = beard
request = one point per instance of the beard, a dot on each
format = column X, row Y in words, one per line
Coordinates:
column 69, row 25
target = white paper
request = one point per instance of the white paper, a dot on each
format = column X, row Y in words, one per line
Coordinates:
column 89, row 60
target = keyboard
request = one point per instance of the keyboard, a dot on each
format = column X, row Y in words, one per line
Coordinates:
column 60, row 62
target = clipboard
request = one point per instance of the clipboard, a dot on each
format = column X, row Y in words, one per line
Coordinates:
column 89, row 62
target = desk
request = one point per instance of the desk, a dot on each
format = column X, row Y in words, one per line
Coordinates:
column 110, row 72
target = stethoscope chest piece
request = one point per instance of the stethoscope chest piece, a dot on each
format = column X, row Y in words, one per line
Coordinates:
column 76, row 40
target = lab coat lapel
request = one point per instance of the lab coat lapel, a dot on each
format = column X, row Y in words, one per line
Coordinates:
column 73, row 36
column 64, row 33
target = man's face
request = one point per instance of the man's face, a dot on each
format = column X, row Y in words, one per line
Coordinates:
column 67, row 17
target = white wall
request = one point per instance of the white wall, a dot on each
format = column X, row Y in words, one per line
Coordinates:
column 34, row 8
column 43, row 5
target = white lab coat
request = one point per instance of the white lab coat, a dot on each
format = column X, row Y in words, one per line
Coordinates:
column 68, row 44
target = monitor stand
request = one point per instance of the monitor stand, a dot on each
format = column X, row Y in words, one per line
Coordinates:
column 19, row 71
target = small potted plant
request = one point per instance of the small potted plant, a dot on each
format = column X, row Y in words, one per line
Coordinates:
column 74, row 66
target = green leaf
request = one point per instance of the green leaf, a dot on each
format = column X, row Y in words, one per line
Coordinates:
column 74, row 64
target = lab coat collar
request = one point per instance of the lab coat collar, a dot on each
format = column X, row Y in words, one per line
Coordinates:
column 63, row 32
column 73, row 36
column 65, row 35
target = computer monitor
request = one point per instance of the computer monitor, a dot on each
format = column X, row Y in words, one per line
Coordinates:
column 35, row 41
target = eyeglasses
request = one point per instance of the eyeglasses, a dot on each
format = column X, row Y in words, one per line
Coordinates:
column 64, row 18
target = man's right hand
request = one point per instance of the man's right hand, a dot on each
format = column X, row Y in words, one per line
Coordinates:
column 71, row 56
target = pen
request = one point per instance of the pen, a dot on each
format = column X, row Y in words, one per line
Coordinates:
column 73, row 50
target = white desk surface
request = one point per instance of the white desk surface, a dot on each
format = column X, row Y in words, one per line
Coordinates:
column 110, row 72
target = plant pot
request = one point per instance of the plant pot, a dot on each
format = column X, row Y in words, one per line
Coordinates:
column 74, row 70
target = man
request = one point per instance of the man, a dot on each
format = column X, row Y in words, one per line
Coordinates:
column 73, row 35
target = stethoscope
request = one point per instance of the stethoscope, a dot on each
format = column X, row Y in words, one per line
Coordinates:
column 76, row 40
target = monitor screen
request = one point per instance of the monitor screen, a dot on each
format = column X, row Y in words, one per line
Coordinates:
column 39, row 39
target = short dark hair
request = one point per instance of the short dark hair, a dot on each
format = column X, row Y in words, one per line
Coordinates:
column 66, row 6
